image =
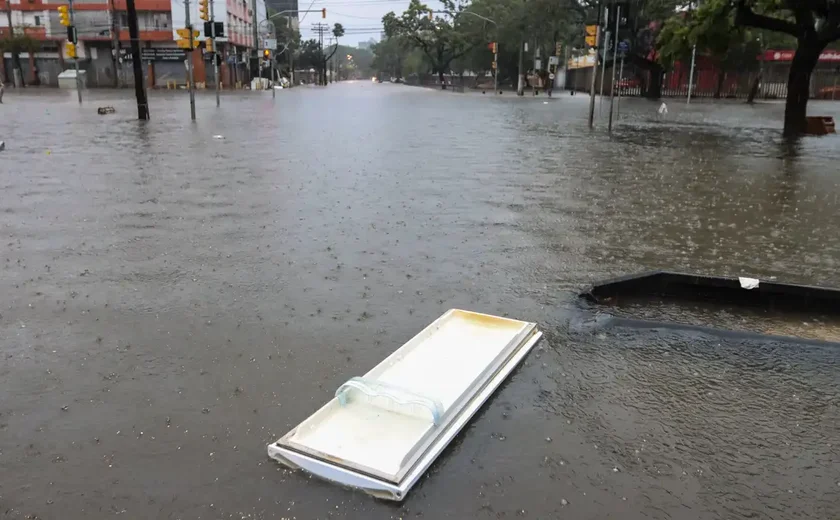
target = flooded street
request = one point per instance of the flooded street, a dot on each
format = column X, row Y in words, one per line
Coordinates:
column 174, row 301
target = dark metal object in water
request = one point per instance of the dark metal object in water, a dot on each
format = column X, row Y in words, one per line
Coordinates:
column 691, row 287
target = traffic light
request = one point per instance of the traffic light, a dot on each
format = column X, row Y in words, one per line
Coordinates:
column 267, row 54
column 324, row 12
column 591, row 35
column 64, row 15
column 202, row 10
column 184, row 41
column 208, row 45
column 70, row 49
column 494, row 47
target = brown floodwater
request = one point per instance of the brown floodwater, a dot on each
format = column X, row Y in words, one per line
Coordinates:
column 173, row 301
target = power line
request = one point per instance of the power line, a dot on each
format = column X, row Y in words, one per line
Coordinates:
column 357, row 17
column 306, row 12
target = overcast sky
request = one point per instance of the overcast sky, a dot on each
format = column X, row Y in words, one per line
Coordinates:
column 362, row 19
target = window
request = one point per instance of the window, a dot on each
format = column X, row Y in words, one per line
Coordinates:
column 37, row 21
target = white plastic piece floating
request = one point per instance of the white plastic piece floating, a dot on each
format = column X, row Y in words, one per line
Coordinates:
column 748, row 283
column 663, row 109
column 218, row 137
column 383, row 430
column 2, row 145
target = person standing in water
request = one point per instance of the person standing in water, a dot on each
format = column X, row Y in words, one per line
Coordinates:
column 2, row 88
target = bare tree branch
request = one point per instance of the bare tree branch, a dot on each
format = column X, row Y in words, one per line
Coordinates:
column 744, row 15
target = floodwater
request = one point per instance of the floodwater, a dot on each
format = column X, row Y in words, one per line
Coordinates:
column 172, row 301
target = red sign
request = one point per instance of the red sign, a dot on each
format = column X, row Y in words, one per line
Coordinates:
column 788, row 55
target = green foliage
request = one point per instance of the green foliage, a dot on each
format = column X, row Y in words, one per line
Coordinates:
column 19, row 42
column 443, row 37
column 338, row 30
column 713, row 30
column 390, row 55
column 309, row 55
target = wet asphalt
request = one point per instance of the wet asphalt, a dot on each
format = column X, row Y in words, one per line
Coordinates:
column 173, row 300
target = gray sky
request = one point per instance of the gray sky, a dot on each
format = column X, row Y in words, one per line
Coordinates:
column 362, row 19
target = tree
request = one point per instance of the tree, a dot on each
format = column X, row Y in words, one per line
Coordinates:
column 712, row 30
column 338, row 32
column 309, row 54
column 389, row 56
column 16, row 43
column 815, row 24
column 441, row 38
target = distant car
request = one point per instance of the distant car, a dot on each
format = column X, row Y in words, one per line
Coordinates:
column 397, row 80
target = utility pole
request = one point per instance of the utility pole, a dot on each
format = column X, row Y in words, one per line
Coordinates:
column 217, row 80
column 604, row 48
column 254, row 25
column 620, row 79
column 612, row 74
column 115, row 42
column 321, row 28
column 328, row 67
column 290, row 53
column 594, row 70
column 134, row 38
column 190, row 58
column 76, row 59
column 520, row 83
column 691, row 74
column 496, row 67
column 693, row 57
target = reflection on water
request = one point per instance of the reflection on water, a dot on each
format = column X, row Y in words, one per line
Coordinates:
column 719, row 428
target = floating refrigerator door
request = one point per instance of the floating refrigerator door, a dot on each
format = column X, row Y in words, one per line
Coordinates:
column 383, row 430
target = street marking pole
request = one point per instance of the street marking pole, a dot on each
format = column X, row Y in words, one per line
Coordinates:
column 691, row 74
column 76, row 59
column 189, row 59
column 215, row 51
column 612, row 74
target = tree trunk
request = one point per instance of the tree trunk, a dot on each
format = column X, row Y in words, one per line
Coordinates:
column 654, row 88
column 442, row 80
column 754, row 89
column 799, row 85
column 720, row 79
column 15, row 56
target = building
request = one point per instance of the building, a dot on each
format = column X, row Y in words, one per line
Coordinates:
column 367, row 45
column 278, row 6
column 103, row 47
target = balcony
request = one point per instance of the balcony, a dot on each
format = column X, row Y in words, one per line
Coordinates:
column 39, row 33
column 28, row 5
column 145, row 5
column 151, row 36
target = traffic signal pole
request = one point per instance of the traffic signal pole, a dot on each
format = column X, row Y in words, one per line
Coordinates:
column 215, row 51
column 75, row 59
column 189, row 59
